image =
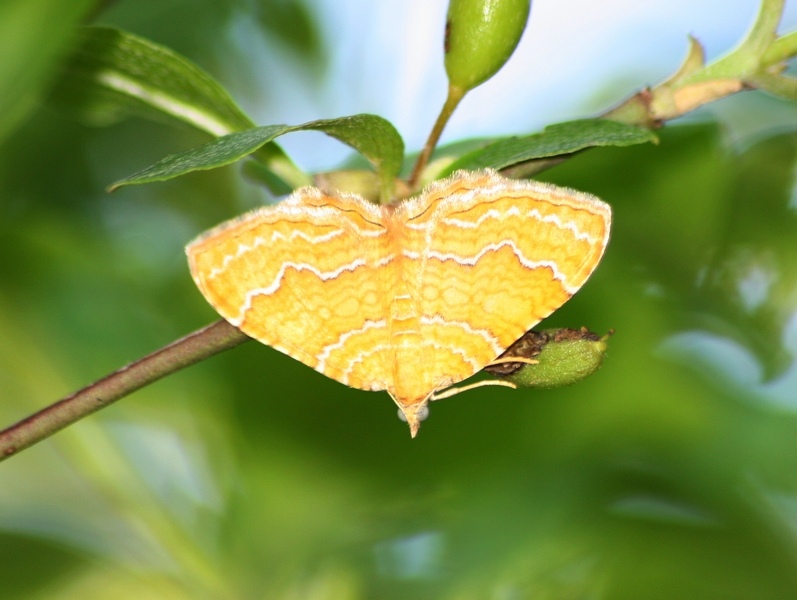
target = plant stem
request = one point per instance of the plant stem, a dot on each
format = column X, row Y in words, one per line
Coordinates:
column 455, row 95
column 186, row 351
column 782, row 49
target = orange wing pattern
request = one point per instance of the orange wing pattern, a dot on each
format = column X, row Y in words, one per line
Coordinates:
column 308, row 277
column 410, row 298
column 491, row 258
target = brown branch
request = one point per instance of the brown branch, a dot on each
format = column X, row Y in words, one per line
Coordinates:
column 186, row 351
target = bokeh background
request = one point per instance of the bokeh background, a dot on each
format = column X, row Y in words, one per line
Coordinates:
column 671, row 473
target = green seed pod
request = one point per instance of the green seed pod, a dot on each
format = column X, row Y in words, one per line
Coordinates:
column 480, row 37
column 564, row 357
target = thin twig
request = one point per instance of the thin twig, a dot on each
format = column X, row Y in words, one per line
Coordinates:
column 455, row 95
column 186, row 351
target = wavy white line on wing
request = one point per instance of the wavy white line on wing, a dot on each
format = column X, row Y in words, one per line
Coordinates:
column 475, row 365
column 472, row 260
column 275, row 236
column 323, row 356
column 514, row 211
column 485, row 334
column 275, row 285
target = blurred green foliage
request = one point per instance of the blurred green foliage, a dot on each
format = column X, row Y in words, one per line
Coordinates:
column 33, row 36
column 671, row 473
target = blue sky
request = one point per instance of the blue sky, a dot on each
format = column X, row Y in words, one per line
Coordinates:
column 576, row 58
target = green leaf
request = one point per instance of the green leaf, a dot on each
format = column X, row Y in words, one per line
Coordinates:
column 113, row 74
column 554, row 140
column 33, row 36
column 219, row 152
column 374, row 137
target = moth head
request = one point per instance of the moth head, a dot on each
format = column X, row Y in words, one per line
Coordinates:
column 413, row 413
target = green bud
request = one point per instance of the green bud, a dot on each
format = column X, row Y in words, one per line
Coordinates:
column 564, row 357
column 480, row 37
